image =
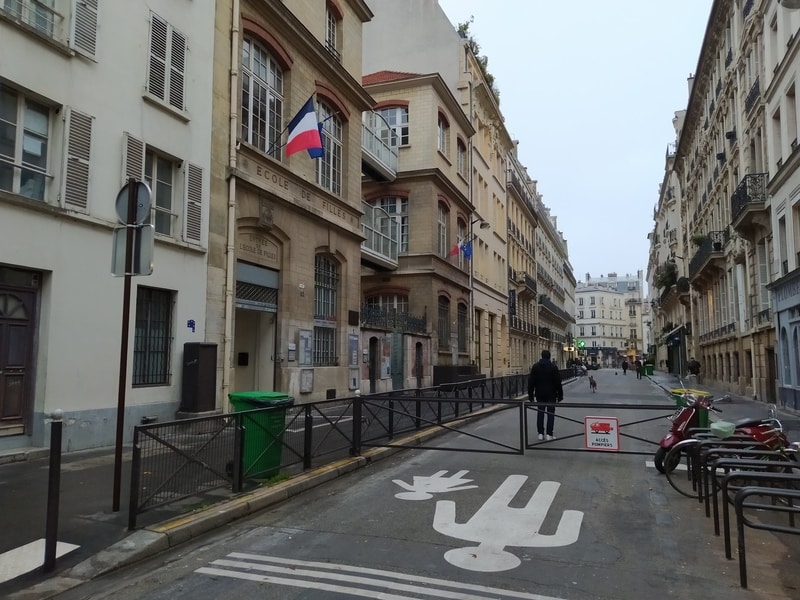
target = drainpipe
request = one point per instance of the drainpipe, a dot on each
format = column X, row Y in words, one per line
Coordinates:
column 230, row 249
column 752, row 333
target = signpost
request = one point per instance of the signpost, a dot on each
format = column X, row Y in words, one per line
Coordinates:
column 601, row 433
column 133, row 208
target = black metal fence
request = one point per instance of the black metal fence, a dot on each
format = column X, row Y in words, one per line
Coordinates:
column 189, row 463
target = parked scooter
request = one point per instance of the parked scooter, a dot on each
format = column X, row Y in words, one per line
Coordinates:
column 767, row 433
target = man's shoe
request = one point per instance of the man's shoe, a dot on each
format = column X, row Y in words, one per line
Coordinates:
column 550, row 437
column 541, row 436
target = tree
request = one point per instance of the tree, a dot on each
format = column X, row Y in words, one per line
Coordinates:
column 483, row 61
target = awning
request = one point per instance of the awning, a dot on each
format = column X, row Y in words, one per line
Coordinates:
column 673, row 338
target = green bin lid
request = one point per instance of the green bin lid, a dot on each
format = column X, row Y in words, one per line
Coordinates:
column 260, row 397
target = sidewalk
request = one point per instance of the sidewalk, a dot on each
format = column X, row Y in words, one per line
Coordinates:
column 103, row 540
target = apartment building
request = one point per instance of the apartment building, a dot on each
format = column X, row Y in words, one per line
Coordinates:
column 611, row 317
column 523, row 311
column 431, row 44
column 428, row 201
column 91, row 95
column 285, row 240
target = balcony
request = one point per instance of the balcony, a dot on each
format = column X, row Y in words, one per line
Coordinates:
column 710, row 255
column 753, row 96
column 378, row 147
column 38, row 16
column 554, row 310
column 749, row 210
column 380, row 228
column 529, row 289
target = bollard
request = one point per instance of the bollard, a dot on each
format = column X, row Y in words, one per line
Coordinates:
column 53, row 492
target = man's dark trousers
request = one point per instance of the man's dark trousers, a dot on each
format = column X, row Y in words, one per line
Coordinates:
column 551, row 417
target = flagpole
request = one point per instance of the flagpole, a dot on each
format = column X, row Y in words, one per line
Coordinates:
column 274, row 147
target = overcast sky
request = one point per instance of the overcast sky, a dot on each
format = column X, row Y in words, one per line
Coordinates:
column 590, row 90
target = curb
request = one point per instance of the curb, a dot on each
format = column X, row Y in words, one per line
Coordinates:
column 152, row 540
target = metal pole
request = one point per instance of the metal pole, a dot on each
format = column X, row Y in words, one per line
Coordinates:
column 53, row 493
column 123, row 344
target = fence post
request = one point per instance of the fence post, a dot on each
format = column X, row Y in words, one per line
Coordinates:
column 136, row 466
column 356, row 449
column 308, row 431
column 53, row 491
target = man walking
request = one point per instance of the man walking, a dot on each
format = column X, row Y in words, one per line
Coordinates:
column 638, row 365
column 544, row 385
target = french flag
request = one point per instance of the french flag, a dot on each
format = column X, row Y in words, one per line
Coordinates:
column 303, row 130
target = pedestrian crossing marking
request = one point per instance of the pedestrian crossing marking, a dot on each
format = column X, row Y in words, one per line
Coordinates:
column 25, row 559
column 356, row 581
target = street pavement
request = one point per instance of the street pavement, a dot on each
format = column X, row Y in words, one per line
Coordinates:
column 100, row 536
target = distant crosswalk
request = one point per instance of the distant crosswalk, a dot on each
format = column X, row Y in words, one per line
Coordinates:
column 355, row 581
column 26, row 558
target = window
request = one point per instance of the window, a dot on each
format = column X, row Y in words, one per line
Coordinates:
column 443, row 135
column 262, row 99
column 462, row 327
column 633, row 334
column 166, row 71
column 594, row 332
column 326, row 285
column 329, row 167
column 152, row 344
column 443, row 248
column 593, row 314
column 398, row 208
column 591, row 300
column 461, row 158
column 444, row 323
column 580, row 314
column 159, row 174
column 581, row 331
column 397, row 118
column 580, row 301
column 78, row 29
column 24, row 141
column 169, row 187
column 389, row 302
column 331, row 33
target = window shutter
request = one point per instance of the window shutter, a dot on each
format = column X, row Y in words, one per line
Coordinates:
column 77, row 148
column 193, row 222
column 132, row 159
column 157, row 75
column 177, row 62
column 84, row 27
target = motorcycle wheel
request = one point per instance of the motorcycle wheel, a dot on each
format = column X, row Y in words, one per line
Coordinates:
column 682, row 476
column 658, row 459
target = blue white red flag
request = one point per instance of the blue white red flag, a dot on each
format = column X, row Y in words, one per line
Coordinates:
column 303, row 130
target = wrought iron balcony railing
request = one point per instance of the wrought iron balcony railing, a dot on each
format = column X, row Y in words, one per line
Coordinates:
column 392, row 320
column 751, row 190
column 714, row 243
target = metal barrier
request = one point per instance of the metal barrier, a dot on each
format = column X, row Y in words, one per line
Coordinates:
column 188, row 461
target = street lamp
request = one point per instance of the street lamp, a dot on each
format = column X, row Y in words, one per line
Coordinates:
column 483, row 225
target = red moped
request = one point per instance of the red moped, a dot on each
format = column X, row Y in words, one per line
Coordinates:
column 766, row 433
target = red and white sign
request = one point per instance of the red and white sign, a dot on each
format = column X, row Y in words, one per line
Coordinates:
column 601, row 433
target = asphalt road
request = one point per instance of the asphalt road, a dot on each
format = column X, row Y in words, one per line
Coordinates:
column 439, row 523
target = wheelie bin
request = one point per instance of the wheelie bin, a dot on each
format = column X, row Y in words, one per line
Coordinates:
column 263, row 430
column 648, row 368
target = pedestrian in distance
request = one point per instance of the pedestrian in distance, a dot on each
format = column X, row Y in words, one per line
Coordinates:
column 544, row 386
column 638, row 366
column 624, row 367
column 694, row 366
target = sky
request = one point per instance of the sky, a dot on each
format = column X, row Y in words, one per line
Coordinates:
column 590, row 90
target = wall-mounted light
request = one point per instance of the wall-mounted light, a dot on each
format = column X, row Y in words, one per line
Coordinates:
column 483, row 224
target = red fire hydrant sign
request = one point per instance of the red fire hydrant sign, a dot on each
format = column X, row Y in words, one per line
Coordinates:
column 601, row 433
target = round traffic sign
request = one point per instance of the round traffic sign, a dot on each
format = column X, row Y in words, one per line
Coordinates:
column 142, row 203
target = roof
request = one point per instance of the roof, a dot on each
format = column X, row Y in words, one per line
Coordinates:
column 386, row 76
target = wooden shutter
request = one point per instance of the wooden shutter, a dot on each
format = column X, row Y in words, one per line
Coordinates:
column 177, row 64
column 157, row 72
column 77, row 150
column 84, row 27
column 132, row 158
column 193, row 209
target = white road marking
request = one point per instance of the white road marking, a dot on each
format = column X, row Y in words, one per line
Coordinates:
column 496, row 525
column 649, row 464
column 26, row 558
column 344, row 574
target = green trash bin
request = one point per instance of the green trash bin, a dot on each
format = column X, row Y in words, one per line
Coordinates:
column 263, row 430
column 648, row 369
column 678, row 393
